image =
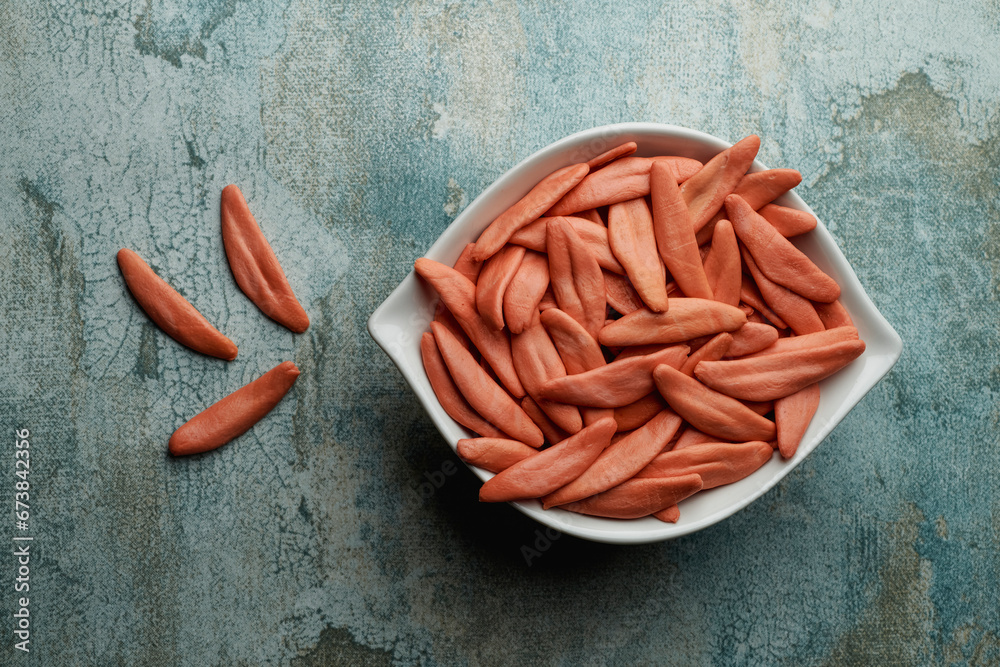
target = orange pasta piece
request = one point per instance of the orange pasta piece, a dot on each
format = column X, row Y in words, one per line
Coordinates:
column 638, row 497
column 447, row 393
column 750, row 295
column 788, row 221
column 716, row 348
column 773, row 376
column 486, row 367
column 444, row 316
column 549, row 429
column 776, row 257
column 709, row 411
column 541, row 197
column 620, row 294
column 674, row 234
column 794, row 309
column 484, row 395
column 759, row 407
column 792, row 414
column 687, row 318
column 594, row 236
column 633, row 241
column 235, row 414
column 493, row 454
column 170, row 311
column 613, row 385
column 691, row 437
column 807, row 341
column 620, row 461
column 579, row 350
column 757, row 189
column 467, row 266
column 705, row 191
column 642, row 350
column 592, row 215
column 537, row 361
column 604, row 158
column 636, row 414
column 833, row 315
column 591, row 415
column 524, row 293
column 723, row 265
column 494, row 279
column 548, row 299
column 624, row 179
column 717, row 463
column 752, row 338
column 576, row 277
column 763, row 187
column 459, row 295
column 551, row 468
column 255, row 266
column 670, row 514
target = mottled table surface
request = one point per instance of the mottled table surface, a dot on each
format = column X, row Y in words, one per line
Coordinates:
column 358, row 131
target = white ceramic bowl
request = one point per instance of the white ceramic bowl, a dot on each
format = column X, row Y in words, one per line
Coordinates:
column 404, row 316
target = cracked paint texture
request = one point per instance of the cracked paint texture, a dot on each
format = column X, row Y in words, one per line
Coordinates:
column 357, row 132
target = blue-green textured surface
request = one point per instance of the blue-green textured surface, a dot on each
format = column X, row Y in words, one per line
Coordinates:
column 358, row 131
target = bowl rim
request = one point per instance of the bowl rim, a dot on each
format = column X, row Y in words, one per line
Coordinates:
column 608, row 135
